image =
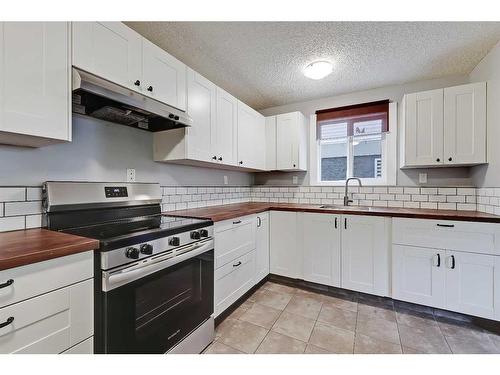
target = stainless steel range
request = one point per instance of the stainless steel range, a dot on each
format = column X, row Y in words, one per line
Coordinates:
column 154, row 274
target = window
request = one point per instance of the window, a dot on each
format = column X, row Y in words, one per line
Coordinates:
column 351, row 142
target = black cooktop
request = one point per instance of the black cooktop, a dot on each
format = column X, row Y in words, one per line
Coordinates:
column 133, row 231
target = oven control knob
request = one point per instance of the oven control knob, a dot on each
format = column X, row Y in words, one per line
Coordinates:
column 147, row 249
column 174, row 241
column 132, row 253
column 203, row 233
column 195, row 235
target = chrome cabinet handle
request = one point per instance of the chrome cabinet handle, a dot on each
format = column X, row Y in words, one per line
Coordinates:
column 452, row 262
column 446, row 225
column 345, row 223
column 259, row 222
column 237, row 264
column 7, row 322
column 237, row 222
column 335, row 223
column 439, row 260
column 7, row 283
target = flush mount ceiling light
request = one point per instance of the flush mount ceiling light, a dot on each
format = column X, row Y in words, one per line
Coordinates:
column 318, row 69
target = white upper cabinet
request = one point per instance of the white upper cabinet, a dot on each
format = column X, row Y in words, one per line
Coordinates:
column 422, row 136
column 251, row 138
column 202, row 109
column 444, row 127
column 34, row 83
column 226, row 137
column 321, row 248
column 271, row 143
column 163, row 76
column 465, row 124
column 291, row 142
column 117, row 53
column 109, row 50
column 365, row 254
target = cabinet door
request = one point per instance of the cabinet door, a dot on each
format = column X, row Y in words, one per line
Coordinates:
column 285, row 251
column 465, row 124
column 202, row 109
column 287, row 155
column 251, row 138
column 271, row 143
column 365, row 249
column 35, row 79
column 473, row 284
column 262, row 262
column 418, row 275
column 164, row 77
column 321, row 247
column 109, row 50
column 424, row 128
column 226, row 127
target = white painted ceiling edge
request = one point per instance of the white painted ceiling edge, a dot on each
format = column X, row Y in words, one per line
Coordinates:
column 261, row 62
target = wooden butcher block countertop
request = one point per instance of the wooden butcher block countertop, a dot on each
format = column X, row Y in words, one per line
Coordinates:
column 22, row 247
column 231, row 211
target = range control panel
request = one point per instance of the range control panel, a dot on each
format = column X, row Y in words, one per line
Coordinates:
column 116, row 191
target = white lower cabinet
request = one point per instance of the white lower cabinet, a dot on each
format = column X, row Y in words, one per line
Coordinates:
column 417, row 275
column 262, row 247
column 473, row 284
column 286, row 252
column 321, row 248
column 49, row 306
column 84, row 347
column 365, row 254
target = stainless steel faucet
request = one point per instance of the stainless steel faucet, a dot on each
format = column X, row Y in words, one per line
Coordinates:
column 346, row 195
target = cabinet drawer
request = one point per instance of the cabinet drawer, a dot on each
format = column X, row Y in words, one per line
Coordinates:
column 233, row 280
column 233, row 238
column 38, row 278
column 85, row 347
column 445, row 234
column 50, row 323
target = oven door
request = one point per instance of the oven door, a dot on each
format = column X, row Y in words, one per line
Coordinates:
column 152, row 305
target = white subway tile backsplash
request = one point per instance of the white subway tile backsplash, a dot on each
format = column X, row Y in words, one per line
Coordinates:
column 33, row 194
column 12, row 223
column 12, row 194
column 22, row 208
column 33, row 221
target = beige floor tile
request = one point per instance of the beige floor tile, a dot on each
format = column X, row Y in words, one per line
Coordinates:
column 244, row 336
column 223, row 327
column 341, row 303
column 345, row 319
column 407, row 350
column 309, row 294
column 401, row 305
column 220, row 348
column 240, row 310
column 256, row 294
column 465, row 338
column 496, row 339
column 313, row 349
column 380, row 329
column 276, row 343
column 424, row 340
column 333, row 339
column 295, row 326
column 451, row 327
column 274, row 300
column 278, row 288
column 304, row 306
column 368, row 345
column 377, row 312
column 261, row 315
column 415, row 319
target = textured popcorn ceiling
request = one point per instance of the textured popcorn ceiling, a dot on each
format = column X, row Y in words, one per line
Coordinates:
column 261, row 62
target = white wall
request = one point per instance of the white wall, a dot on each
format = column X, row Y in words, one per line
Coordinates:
column 436, row 177
column 102, row 151
column 489, row 70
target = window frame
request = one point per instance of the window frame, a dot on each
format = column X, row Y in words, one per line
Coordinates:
column 388, row 156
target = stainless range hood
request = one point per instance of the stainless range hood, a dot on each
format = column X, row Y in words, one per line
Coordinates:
column 99, row 98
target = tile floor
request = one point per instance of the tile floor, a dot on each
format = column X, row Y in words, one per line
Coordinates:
column 282, row 319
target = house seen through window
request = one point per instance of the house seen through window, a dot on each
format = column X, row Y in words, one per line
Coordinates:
column 350, row 141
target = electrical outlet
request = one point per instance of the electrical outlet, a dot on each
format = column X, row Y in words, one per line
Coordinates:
column 130, row 175
column 422, row 178
column 295, row 180
column 226, row 180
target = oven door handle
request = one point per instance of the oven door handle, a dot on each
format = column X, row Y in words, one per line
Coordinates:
column 114, row 279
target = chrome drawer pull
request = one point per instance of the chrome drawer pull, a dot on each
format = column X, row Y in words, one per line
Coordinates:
column 237, row 222
column 446, row 225
column 7, row 283
column 237, row 264
column 7, row 322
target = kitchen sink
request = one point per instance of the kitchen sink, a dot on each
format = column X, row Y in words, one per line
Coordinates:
column 355, row 208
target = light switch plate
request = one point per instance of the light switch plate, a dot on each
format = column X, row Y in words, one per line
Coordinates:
column 422, row 178
column 130, row 175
